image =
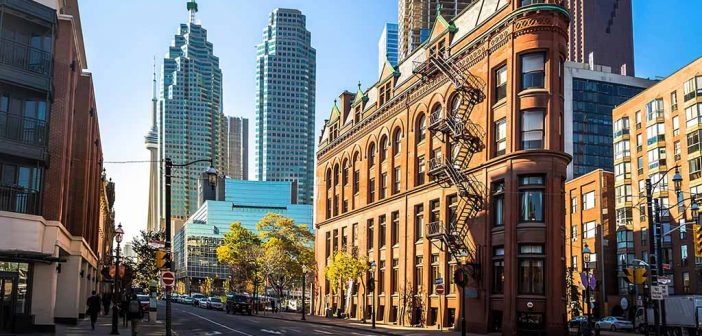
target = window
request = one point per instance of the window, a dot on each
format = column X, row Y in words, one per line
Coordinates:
column 654, row 109
column 434, row 211
column 656, row 157
column 683, row 255
column 500, row 137
column 371, row 155
column 383, row 185
column 381, row 277
column 692, row 88
column 693, row 114
column 622, row 171
column 531, row 269
column 589, row 200
column 498, row 270
column 533, row 129
column 381, row 233
column 674, row 101
column 394, row 277
column 640, row 165
column 395, row 228
column 455, row 105
column 530, row 2
column 356, row 178
column 639, row 142
column 421, row 168
column 695, row 168
column 655, row 133
column 573, row 205
column 371, row 190
column 589, row 230
column 421, row 128
column 345, row 175
column 344, row 238
column 451, row 287
column 329, row 179
column 498, row 203
column 644, row 235
column 621, row 149
column 621, row 127
column 354, row 234
column 419, row 273
column 533, row 72
column 370, row 233
column 501, row 83
column 676, row 126
column 396, row 180
column 622, row 193
column 383, row 149
column 397, row 142
column 418, row 222
column 625, row 239
column 693, row 142
column 531, row 194
column 677, row 151
column 434, row 272
column 686, row 282
column 573, row 233
column 624, row 216
column 638, row 119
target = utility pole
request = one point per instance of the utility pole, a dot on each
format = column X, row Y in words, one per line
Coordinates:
column 652, row 257
column 167, row 240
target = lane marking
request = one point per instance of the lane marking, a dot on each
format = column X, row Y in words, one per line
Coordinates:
column 322, row 332
column 219, row 324
column 271, row 331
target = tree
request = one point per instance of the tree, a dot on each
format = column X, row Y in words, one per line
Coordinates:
column 207, row 286
column 145, row 270
column 344, row 267
column 227, row 285
column 241, row 250
column 180, row 287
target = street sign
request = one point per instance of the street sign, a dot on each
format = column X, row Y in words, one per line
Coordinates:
column 624, row 303
column 663, row 280
column 588, row 280
column 439, row 289
column 666, row 267
column 439, row 281
column 167, row 278
column 657, row 292
column 664, row 290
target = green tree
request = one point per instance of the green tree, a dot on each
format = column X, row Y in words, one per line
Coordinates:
column 207, row 286
column 344, row 267
column 241, row 250
column 145, row 270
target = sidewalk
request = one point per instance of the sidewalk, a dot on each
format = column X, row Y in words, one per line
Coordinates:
column 103, row 326
column 381, row 328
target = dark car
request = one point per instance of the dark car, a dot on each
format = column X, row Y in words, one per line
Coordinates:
column 239, row 303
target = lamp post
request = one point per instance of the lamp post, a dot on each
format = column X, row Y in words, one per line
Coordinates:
column 116, row 292
column 586, row 268
column 212, row 178
column 371, row 288
column 304, row 275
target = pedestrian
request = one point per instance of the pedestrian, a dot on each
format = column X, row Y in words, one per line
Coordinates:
column 106, row 300
column 93, row 309
column 124, row 308
column 135, row 313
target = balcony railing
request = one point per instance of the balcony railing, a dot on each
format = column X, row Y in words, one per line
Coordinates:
column 18, row 199
column 26, row 130
column 25, row 57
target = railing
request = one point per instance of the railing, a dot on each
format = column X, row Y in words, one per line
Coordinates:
column 435, row 229
column 26, row 130
column 18, row 199
column 25, row 57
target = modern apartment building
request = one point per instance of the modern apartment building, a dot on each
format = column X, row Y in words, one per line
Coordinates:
column 246, row 202
column 54, row 233
column 601, row 32
column 415, row 19
column 285, row 102
column 454, row 159
column 656, row 135
column 387, row 46
column 590, row 221
column 192, row 124
column 237, row 148
column 591, row 92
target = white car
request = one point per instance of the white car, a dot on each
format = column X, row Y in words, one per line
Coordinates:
column 215, row 303
column 202, row 303
column 614, row 323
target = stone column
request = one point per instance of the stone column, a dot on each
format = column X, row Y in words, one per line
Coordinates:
column 68, row 291
column 43, row 289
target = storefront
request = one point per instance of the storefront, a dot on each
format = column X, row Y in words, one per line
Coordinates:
column 15, row 296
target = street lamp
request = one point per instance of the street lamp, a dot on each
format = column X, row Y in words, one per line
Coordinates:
column 586, row 268
column 304, row 275
column 212, row 178
column 116, row 292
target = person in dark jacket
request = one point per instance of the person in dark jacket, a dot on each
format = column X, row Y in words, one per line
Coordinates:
column 134, row 312
column 106, row 300
column 93, row 308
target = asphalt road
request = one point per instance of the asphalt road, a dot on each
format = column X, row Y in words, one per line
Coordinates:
column 190, row 320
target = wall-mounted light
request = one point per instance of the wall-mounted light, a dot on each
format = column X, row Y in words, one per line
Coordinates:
column 82, row 273
column 58, row 268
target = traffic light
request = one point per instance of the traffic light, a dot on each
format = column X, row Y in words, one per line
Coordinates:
column 697, row 232
column 162, row 259
column 459, row 277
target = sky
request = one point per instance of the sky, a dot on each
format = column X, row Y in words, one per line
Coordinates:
column 122, row 37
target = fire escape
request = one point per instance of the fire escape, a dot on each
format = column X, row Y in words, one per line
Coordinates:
column 464, row 138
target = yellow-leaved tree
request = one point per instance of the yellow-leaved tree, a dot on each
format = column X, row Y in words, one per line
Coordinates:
column 343, row 268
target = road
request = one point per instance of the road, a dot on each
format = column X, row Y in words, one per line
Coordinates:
column 190, row 320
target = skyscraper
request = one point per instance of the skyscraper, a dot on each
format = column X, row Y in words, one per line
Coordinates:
column 237, row 148
column 151, row 141
column 387, row 46
column 601, row 33
column 285, row 102
column 416, row 17
column 192, row 125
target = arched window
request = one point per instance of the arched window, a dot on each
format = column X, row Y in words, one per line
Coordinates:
column 371, row 155
column 383, row 149
column 455, row 104
column 345, row 173
column 329, row 178
column 397, row 142
column 336, row 174
column 421, row 128
column 436, row 113
column 356, row 173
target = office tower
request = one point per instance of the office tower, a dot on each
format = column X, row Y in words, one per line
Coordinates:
column 591, row 93
column 192, row 124
column 285, row 102
column 416, row 18
column 151, row 141
column 454, row 162
column 601, row 32
column 387, row 46
column 237, row 148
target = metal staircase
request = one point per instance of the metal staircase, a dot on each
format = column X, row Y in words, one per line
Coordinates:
column 465, row 138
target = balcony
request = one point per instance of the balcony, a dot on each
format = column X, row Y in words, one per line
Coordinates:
column 23, row 64
column 20, row 200
column 435, row 229
column 25, row 130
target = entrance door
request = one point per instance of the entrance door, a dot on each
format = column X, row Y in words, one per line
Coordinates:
column 8, row 299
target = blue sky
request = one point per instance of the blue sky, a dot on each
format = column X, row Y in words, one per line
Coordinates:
column 122, row 37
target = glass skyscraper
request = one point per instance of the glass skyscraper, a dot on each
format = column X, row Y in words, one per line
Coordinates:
column 192, row 124
column 285, row 103
column 387, row 46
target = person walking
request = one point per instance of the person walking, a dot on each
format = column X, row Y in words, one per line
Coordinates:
column 106, row 300
column 93, row 308
column 135, row 313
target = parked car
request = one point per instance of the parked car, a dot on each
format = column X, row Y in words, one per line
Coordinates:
column 202, row 303
column 614, row 323
column 577, row 321
column 215, row 303
column 187, row 300
column 197, row 297
column 239, row 303
column 144, row 301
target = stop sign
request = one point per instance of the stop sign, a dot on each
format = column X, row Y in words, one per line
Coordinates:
column 167, row 278
column 440, row 289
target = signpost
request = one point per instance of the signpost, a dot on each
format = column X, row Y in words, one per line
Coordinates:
column 440, row 289
column 657, row 293
column 167, row 279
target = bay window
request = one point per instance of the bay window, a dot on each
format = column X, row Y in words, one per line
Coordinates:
column 693, row 142
column 656, row 158
column 531, row 194
column 498, row 270
column 624, row 216
column 655, row 133
column 692, row 88
column 654, row 109
column 498, row 203
column 531, row 269
column 625, row 239
column 500, row 137
column 695, row 168
column 622, row 171
column 533, row 129
column 621, row 127
column 621, row 149
column 622, row 193
column 693, row 115
column 533, row 70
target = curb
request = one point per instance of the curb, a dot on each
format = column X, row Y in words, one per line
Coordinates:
column 374, row 331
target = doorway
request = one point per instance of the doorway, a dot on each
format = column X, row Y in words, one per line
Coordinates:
column 8, row 300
